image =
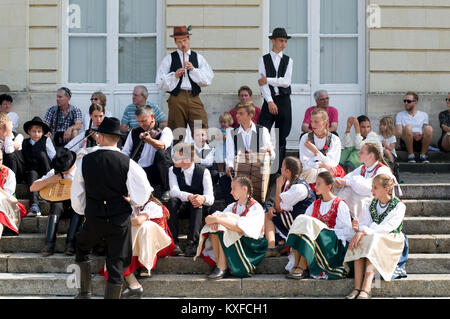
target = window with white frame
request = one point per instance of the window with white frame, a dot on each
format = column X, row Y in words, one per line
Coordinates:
column 111, row 42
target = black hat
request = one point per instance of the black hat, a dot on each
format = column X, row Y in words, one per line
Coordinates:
column 279, row 33
column 63, row 160
column 36, row 121
column 109, row 125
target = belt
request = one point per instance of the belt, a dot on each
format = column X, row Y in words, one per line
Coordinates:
column 186, row 91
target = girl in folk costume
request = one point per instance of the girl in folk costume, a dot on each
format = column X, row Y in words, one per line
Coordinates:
column 356, row 188
column 319, row 237
column 235, row 235
column 293, row 197
column 378, row 243
column 151, row 239
column 320, row 150
column 11, row 211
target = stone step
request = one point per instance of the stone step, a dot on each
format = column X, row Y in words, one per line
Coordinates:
column 424, row 168
column 426, row 225
column 259, row 286
column 433, row 157
column 427, row 208
column 35, row 243
column 60, row 263
column 426, row 191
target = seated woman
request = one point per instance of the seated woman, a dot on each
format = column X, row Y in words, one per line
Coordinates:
column 378, row 243
column 11, row 211
column 151, row 240
column 356, row 188
column 293, row 196
column 320, row 150
column 235, row 235
column 319, row 237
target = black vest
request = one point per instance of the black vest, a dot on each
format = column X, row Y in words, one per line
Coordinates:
column 197, row 180
column 239, row 144
column 137, row 141
column 176, row 64
column 105, row 175
column 30, row 152
column 272, row 73
column 301, row 206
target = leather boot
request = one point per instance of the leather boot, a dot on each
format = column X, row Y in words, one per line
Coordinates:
column 52, row 227
column 73, row 228
column 85, row 280
column 112, row 291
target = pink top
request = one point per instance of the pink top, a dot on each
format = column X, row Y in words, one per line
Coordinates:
column 332, row 115
column 255, row 118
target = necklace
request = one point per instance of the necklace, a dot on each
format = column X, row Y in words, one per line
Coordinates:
column 385, row 205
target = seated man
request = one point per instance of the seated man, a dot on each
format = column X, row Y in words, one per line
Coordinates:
column 245, row 95
column 149, row 146
column 191, row 192
column 322, row 101
column 140, row 95
column 64, row 119
column 349, row 155
column 248, row 137
column 413, row 129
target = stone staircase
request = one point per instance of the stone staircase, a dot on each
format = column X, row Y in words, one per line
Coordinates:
column 426, row 193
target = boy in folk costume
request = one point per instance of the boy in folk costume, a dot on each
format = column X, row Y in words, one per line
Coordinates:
column 11, row 211
column 378, row 243
column 191, row 192
column 293, row 196
column 235, row 235
column 151, row 240
column 319, row 237
column 38, row 151
column 63, row 168
column 320, row 150
column 356, row 188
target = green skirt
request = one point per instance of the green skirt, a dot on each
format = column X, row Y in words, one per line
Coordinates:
column 350, row 157
column 244, row 255
column 325, row 254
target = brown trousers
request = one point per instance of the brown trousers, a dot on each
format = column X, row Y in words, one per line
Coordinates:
column 185, row 109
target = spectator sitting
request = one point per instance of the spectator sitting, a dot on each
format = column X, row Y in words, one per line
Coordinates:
column 65, row 120
column 413, row 129
column 389, row 141
column 322, row 101
column 140, row 95
column 226, row 121
column 96, row 98
column 349, row 155
column 11, row 147
column 444, row 121
column 245, row 95
column 5, row 106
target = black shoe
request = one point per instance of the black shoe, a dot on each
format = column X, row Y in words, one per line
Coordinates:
column 112, row 291
column 75, row 223
column 177, row 251
column 85, row 280
column 132, row 293
column 272, row 252
column 165, row 196
column 190, row 249
column 52, row 227
column 218, row 274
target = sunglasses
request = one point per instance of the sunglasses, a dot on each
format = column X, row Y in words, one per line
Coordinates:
column 408, row 101
column 94, row 99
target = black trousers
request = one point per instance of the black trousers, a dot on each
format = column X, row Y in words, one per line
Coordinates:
column 225, row 187
column 119, row 249
column 179, row 209
column 158, row 173
column 34, row 173
column 16, row 163
column 283, row 122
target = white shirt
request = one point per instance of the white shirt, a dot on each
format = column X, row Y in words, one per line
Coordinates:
column 148, row 152
column 362, row 185
column 152, row 210
column 208, row 161
column 252, row 223
column 14, row 119
column 176, row 192
column 49, row 147
column 9, row 143
column 139, row 189
column 343, row 227
column 292, row 196
column 416, row 122
column 309, row 160
column 359, row 141
column 389, row 141
column 247, row 138
column 10, row 184
column 75, row 144
column 390, row 223
column 276, row 82
column 166, row 80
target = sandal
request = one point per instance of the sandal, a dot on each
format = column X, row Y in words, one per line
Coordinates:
column 350, row 296
column 302, row 275
column 369, row 295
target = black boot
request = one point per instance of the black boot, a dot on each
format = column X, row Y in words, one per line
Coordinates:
column 85, row 280
column 52, row 227
column 75, row 223
column 112, row 291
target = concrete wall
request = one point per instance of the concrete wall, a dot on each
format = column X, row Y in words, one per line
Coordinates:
column 410, row 52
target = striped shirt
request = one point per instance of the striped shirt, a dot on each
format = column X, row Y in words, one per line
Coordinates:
column 129, row 117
